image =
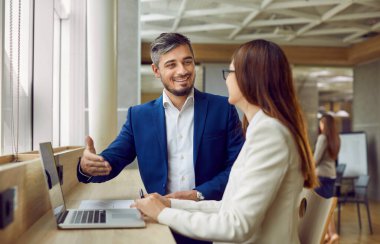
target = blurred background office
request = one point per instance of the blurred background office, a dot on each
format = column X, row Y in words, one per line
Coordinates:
column 70, row 68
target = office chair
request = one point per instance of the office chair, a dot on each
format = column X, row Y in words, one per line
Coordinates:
column 315, row 214
column 360, row 197
column 339, row 176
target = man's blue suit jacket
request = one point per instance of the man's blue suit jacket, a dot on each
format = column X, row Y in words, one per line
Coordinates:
column 218, row 138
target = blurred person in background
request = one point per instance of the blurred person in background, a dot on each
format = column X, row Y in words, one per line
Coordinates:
column 325, row 155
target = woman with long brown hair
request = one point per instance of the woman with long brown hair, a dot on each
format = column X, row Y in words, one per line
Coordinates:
column 260, row 203
column 325, row 154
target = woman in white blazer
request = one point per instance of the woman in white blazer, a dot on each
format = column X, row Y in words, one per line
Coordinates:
column 260, row 203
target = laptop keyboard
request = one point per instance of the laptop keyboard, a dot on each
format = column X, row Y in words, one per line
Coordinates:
column 88, row 216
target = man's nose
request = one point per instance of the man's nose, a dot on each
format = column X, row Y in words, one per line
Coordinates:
column 182, row 70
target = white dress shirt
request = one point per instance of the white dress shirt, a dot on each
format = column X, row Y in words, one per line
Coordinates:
column 179, row 137
column 260, row 203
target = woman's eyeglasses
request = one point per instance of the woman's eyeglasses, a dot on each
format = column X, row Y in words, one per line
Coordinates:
column 226, row 72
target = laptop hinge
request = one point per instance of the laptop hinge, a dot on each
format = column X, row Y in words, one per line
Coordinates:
column 62, row 216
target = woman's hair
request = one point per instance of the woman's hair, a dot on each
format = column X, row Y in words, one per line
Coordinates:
column 265, row 79
column 331, row 133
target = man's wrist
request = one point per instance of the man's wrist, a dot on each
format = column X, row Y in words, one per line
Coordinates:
column 82, row 173
column 200, row 196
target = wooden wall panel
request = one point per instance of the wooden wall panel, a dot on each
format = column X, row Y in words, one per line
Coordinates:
column 221, row 53
column 67, row 156
column 145, row 53
column 213, row 53
column 365, row 51
column 69, row 159
column 21, row 158
column 335, row 56
column 327, row 56
column 32, row 195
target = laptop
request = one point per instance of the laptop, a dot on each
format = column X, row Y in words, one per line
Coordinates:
column 82, row 218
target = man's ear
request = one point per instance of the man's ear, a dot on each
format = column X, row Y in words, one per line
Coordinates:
column 156, row 71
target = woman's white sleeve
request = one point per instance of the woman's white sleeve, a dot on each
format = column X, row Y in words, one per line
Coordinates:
column 267, row 162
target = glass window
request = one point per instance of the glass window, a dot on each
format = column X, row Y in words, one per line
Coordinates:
column 16, row 79
column 56, row 79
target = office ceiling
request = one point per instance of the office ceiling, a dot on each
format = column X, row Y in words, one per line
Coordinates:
column 338, row 23
column 286, row 22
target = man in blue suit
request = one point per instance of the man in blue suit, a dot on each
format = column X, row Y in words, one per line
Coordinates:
column 186, row 141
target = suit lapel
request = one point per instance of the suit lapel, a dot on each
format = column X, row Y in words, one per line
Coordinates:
column 200, row 113
column 158, row 119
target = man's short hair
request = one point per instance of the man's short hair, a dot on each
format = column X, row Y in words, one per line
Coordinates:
column 165, row 43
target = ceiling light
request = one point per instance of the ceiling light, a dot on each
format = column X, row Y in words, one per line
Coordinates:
column 319, row 73
column 331, row 113
column 341, row 78
column 342, row 113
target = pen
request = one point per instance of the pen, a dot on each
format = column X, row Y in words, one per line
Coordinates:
column 141, row 193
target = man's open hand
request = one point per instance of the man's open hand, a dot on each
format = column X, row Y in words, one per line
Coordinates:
column 91, row 163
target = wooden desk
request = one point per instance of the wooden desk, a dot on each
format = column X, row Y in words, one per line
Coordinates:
column 125, row 186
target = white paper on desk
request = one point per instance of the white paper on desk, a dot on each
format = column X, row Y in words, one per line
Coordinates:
column 105, row 204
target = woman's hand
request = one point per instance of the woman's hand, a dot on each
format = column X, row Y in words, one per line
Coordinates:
column 152, row 205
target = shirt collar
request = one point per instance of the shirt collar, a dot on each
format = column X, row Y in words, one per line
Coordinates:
column 166, row 102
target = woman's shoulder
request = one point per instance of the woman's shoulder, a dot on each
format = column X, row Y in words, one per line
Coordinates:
column 273, row 123
column 322, row 137
column 270, row 125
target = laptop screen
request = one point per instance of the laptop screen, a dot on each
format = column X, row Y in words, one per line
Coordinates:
column 52, row 179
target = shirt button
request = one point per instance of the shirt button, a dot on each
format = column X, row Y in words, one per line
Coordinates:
column 183, row 178
column 181, row 156
column 180, row 136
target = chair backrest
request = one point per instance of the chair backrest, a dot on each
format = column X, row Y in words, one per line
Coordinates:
column 339, row 172
column 362, row 181
column 361, row 185
column 338, row 181
column 315, row 214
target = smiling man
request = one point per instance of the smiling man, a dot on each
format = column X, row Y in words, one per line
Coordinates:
column 186, row 141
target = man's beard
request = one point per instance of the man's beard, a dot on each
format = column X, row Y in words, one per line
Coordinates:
column 179, row 93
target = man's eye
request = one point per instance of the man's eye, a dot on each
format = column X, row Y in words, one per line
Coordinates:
column 170, row 66
column 187, row 62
